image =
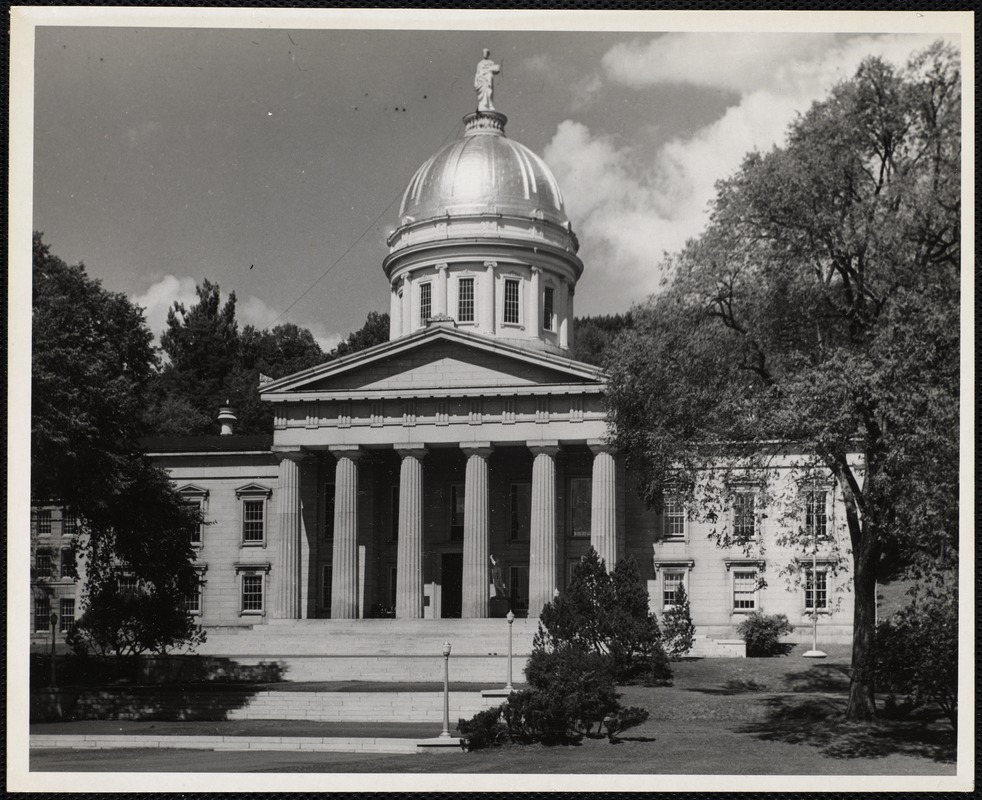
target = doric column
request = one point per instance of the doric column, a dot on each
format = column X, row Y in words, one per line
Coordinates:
column 344, row 572
column 407, row 305
column 542, row 535
column 564, row 300
column 409, row 557
column 441, row 290
column 603, row 508
column 287, row 605
column 487, row 297
column 476, row 577
column 395, row 315
column 532, row 309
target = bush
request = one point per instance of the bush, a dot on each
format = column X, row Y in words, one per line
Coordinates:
column 678, row 630
column 762, row 633
column 576, row 689
column 917, row 652
column 484, row 729
column 607, row 614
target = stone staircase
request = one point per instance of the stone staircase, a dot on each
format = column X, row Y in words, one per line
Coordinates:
column 383, row 650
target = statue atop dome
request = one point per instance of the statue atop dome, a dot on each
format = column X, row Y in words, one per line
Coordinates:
column 484, row 81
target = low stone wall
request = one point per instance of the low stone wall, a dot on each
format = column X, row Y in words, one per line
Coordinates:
column 136, row 703
column 145, row 703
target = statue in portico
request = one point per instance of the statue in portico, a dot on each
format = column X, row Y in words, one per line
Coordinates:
column 484, row 81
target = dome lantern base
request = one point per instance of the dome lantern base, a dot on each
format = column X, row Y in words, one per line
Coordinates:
column 485, row 122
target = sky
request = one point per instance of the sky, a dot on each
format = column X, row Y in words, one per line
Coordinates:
column 263, row 159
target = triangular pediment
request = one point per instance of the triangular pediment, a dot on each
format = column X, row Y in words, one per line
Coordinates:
column 437, row 359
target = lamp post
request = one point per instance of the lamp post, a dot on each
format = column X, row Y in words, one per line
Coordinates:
column 511, row 619
column 445, row 734
column 53, row 619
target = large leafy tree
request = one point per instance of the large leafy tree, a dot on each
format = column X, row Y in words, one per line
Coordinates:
column 593, row 335
column 374, row 331
column 819, row 312
column 92, row 362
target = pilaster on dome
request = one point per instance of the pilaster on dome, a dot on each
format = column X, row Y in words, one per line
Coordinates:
column 485, row 122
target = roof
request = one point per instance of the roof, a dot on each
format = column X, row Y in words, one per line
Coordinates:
column 207, row 444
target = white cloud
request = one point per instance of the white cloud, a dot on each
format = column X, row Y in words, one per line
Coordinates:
column 249, row 310
column 158, row 299
column 629, row 204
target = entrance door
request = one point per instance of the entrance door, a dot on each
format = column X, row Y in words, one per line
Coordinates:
column 452, row 577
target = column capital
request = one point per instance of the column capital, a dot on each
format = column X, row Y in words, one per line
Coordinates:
column 490, row 264
column 483, row 449
column 598, row 446
column 535, row 270
column 352, row 451
column 297, row 455
column 442, row 266
column 410, row 449
column 548, row 446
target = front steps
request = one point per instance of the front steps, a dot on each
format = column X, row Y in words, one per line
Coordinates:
column 360, row 706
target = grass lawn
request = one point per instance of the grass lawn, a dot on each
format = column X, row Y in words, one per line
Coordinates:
column 776, row 716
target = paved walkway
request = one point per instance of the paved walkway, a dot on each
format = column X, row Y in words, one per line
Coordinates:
column 340, row 737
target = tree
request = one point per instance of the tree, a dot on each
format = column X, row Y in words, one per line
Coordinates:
column 676, row 622
column 210, row 362
column 92, row 362
column 605, row 614
column 203, row 349
column 374, row 331
column 593, row 335
column 819, row 313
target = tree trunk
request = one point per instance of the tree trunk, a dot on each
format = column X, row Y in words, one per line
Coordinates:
column 861, row 707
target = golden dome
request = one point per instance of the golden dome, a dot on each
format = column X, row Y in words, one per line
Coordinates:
column 483, row 172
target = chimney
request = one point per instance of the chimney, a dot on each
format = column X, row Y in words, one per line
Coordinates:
column 226, row 416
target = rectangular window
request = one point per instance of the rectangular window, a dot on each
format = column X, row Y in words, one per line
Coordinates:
column 816, row 590
column 394, row 514
column 42, row 614
column 66, row 614
column 69, row 524
column 194, row 529
column 127, row 584
column 327, row 583
column 425, row 302
column 548, row 314
column 521, row 510
column 671, row 581
column 816, row 519
column 44, row 522
column 68, row 563
column 673, row 520
column 192, row 601
column 465, row 300
column 43, row 563
column 744, row 589
column 580, row 503
column 253, row 521
column 744, row 516
column 511, row 305
column 456, row 512
column 518, row 588
column 252, row 594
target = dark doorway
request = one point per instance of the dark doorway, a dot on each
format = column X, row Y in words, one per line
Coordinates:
column 452, row 572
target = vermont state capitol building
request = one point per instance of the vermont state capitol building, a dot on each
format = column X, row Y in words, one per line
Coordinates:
column 461, row 469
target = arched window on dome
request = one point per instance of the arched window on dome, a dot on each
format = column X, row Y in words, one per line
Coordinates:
column 425, row 302
column 511, row 306
column 465, row 299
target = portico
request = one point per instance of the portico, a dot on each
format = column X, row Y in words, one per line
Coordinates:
column 455, row 472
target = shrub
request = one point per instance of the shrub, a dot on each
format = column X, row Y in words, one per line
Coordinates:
column 678, row 630
column 484, row 729
column 624, row 718
column 917, row 651
column 762, row 633
column 607, row 614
